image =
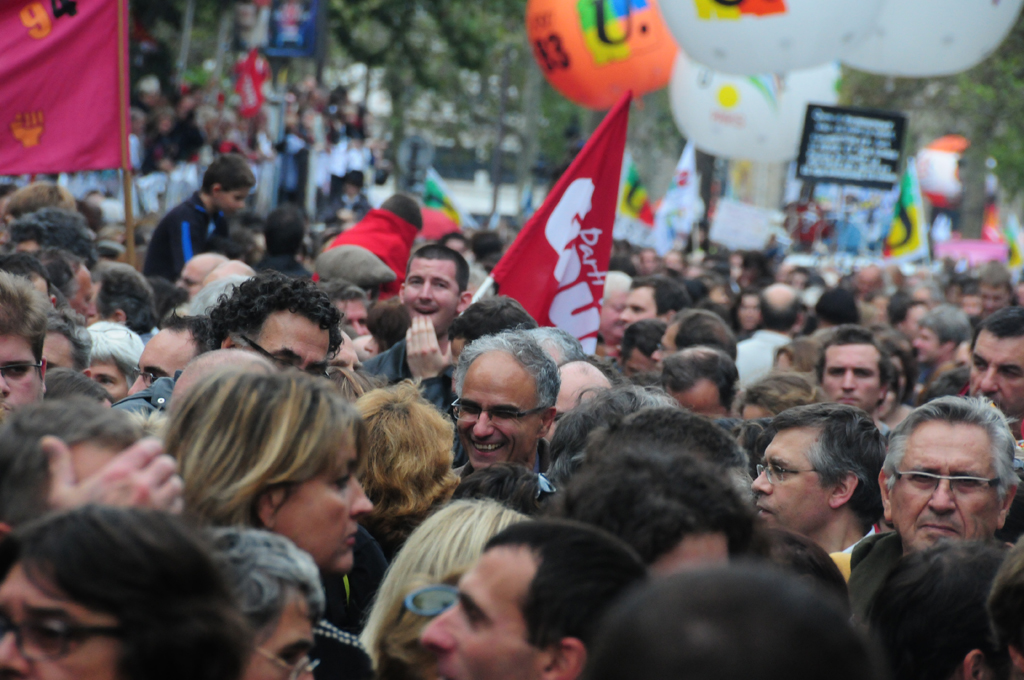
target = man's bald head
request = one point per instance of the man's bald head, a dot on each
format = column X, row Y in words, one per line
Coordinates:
column 780, row 307
column 210, row 362
column 228, row 268
column 197, row 269
column 577, row 378
column 870, row 279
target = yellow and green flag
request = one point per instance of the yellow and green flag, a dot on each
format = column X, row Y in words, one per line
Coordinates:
column 436, row 195
column 907, row 240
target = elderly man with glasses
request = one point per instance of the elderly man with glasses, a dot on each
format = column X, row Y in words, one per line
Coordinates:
column 507, row 386
column 948, row 474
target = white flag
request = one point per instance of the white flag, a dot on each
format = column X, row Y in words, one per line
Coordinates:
column 681, row 206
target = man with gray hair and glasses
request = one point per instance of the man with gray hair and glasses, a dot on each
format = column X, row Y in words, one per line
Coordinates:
column 948, row 474
column 507, row 386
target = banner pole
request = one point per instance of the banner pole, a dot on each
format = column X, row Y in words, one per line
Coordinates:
column 126, row 166
column 484, row 288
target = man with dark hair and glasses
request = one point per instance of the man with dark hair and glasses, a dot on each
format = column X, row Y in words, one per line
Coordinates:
column 948, row 475
column 162, row 361
column 22, row 336
column 819, row 476
column 507, row 387
column 289, row 321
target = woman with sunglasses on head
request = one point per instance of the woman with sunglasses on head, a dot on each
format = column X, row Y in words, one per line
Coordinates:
column 440, row 549
column 278, row 452
column 103, row 593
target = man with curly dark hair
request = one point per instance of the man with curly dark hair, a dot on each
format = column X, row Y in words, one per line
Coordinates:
column 289, row 321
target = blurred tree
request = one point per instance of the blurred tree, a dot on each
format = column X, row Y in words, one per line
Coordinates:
column 980, row 104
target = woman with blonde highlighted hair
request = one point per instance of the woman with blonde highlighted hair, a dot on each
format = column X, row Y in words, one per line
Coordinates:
column 277, row 452
column 408, row 471
column 444, row 545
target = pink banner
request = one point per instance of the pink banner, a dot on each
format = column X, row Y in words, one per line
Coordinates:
column 975, row 252
column 59, row 101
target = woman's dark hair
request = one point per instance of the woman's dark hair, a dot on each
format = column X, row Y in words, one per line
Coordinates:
column 64, row 383
column 514, row 486
column 805, row 558
column 930, row 612
column 653, row 501
column 388, row 322
column 151, row 572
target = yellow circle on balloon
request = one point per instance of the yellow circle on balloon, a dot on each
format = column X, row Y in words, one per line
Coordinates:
column 728, row 96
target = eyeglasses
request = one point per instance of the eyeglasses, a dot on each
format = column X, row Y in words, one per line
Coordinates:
column 17, row 371
column 470, row 412
column 147, row 378
column 295, row 671
column 776, row 474
column 544, row 486
column 431, row 600
column 50, row 639
column 960, row 485
column 319, row 369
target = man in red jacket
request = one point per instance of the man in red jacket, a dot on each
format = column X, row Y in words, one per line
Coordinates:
column 388, row 233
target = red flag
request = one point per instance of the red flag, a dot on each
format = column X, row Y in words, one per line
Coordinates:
column 251, row 75
column 557, row 265
column 59, row 102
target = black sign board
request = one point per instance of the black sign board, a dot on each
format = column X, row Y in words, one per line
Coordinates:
column 851, row 146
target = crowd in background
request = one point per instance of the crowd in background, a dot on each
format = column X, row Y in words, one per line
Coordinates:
column 265, row 451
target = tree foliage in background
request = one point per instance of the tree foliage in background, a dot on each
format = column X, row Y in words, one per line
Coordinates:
column 981, row 104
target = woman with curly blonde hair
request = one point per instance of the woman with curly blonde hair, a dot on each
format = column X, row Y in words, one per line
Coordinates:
column 408, row 470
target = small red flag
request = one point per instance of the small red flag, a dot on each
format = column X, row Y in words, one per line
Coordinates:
column 557, row 265
column 59, row 86
column 252, row 73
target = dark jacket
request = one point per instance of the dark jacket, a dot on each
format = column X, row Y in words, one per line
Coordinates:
column 285, row 264
column 349, row 597
column 156, row 397
column 871, row 563
column 393, row 366
column 341, row 655
column 185, row 231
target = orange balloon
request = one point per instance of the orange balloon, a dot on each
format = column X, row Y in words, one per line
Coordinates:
column 593, row 51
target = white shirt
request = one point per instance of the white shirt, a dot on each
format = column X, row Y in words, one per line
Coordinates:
column 756, row 355
column 870, row 533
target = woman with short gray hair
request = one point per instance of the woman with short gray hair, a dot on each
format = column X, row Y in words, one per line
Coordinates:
column 277, row 587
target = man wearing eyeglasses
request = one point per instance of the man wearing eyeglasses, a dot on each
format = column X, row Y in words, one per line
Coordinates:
column 948, row 475
column 166, row 355
column 289, row 321
column 22, row 335
column 819, row 477
column 507, row 387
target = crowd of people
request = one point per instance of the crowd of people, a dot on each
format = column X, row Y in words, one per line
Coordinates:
column 259, row 454
column 316, row 139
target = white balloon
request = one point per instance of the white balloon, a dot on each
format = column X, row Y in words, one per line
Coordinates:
column 939, row 175
column 748, row 37
column 757, row 118
column 918, row 38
